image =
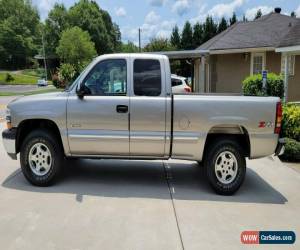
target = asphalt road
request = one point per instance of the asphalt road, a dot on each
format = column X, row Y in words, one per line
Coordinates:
column 114, row 204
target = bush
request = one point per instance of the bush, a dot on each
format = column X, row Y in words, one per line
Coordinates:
column 253, row 85
column 292, row 150
column 9, row 78
column 291, row 122
column 66, row 74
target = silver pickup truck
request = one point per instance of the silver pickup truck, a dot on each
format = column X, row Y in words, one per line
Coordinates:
column 122, row 106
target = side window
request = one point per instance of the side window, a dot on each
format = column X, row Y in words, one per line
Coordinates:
column 176, row 82
column 147, row 77
column 108, row 77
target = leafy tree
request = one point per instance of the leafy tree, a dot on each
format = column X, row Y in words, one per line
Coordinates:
column 175, row 38
column 222, row 25
column 258, row 14
column 293, row 14
column 158, row 44
column 76, row 48
column 209, row 29
column 129, row 47
column 19, row 33
column 89, row 17
column 197, row 35
column 55, row 24
column 233, row 19
column 187, row 37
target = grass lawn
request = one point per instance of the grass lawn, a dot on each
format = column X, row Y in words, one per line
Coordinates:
column 42, row 91
column 19, row 79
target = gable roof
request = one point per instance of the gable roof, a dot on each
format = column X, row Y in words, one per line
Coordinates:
column 267, row 31
column 292, row 38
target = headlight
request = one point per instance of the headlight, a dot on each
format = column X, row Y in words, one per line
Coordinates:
column 8, row 119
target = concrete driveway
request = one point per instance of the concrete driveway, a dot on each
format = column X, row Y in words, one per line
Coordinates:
column 112, row 204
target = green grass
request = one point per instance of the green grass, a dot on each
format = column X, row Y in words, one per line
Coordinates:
column 19, row 79
column 40, row 72
column 42, row 91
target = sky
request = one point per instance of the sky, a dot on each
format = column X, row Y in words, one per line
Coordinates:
column 156, row 18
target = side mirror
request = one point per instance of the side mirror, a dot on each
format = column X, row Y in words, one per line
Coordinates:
column 80, row 91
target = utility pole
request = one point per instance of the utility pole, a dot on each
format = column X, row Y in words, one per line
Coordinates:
column 45, row 62
column 140, row 47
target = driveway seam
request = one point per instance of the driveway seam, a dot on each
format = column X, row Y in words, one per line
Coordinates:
column 168, row 176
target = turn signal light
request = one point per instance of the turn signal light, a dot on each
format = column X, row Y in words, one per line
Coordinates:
column 278, row 118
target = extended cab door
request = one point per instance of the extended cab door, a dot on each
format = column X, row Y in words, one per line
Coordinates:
column 148, row 109
column 98, row 123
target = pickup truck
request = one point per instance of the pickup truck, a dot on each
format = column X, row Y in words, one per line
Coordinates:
column 121, row 106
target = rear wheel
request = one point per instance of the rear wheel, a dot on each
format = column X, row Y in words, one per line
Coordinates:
column 225, row 166
column 41, row 158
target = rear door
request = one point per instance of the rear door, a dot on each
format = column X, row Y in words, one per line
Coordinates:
column 148, row 108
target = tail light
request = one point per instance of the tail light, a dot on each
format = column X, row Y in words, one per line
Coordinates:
column 278, row 118
column 187, row 89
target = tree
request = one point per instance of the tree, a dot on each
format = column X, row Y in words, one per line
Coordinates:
column 89, row 17
column 233, row 19
column 222, row 25
column 258, row 14
column 209, row 29
column 55, row 24
column 129, row 47
column 197, row 35
column 76, row 48
column 187, row 37
column 244, row 18
column 175, row 38
column 158, row 44
column 293, row 14
column 19, row 33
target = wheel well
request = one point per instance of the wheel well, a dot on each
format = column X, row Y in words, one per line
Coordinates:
column 241, row 138
column 27, row 126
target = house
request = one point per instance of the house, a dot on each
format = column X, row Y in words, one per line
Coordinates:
column 270, row 43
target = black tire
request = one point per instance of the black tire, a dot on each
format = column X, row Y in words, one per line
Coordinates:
column 212, row 157
column 57, row 158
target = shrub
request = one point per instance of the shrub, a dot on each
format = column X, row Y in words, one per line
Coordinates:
column 9, row 78
column 66, row 74
column 253, row 85
column 291, row 122
column 292, row 150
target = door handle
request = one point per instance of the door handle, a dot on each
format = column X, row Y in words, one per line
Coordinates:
column 122, row 108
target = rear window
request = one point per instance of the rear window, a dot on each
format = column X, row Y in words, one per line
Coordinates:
column 176, row 82
column 147, row 77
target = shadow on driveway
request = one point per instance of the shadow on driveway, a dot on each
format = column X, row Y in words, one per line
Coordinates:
column 146, row 179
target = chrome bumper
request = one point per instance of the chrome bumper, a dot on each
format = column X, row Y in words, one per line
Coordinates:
column 9, row 142
column 280, row 147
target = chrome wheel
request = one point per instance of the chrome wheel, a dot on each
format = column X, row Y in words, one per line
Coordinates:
column 40, row 159
column 226, row 167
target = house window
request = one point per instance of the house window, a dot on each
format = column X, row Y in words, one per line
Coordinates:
column 257, row 63
column 291, row 64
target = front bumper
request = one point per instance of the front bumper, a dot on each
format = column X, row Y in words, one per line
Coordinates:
column 280, row 147
column 9, row 142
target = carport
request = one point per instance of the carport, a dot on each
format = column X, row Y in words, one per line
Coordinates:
column 198, row 59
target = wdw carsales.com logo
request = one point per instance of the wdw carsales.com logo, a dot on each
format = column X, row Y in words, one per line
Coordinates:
column 268, row 237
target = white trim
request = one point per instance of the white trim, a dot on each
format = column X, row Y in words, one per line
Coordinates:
column 263, row 54
column 289, row 49
column 245, row 50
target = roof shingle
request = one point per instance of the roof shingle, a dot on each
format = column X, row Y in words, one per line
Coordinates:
column 267, row 31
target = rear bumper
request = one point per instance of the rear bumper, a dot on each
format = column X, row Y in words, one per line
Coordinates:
column 280, row 147
column 9, row 142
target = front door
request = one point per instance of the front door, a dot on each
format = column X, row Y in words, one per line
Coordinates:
column 98, row 123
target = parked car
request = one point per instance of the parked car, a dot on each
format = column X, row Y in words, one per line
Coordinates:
column 42, row 83
column 141, row 120
column 180, row 84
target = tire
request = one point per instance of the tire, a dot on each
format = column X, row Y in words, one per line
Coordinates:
column 225, row 166
column 41, row 158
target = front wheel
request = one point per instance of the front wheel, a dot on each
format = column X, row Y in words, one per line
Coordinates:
column 41, row 158
column 225, row 166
